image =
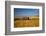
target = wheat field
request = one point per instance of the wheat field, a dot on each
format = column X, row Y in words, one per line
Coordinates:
column 26, row 23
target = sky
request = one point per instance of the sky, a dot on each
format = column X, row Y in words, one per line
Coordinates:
column 26, row 12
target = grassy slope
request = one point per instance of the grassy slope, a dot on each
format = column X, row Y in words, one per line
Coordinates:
column 34, row 22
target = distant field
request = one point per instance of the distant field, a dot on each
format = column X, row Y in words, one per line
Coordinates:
column 27, row 23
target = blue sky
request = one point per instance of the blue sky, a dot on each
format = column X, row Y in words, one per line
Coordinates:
column 26, row 12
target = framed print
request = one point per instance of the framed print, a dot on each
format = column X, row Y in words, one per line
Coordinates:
column 24, row 17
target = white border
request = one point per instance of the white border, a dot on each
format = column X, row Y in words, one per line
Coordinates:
column 26, row 28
